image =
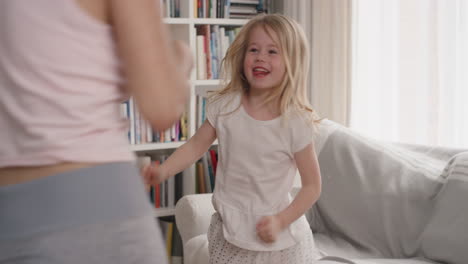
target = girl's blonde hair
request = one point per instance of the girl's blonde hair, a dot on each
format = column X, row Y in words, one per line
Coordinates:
column 292, row 91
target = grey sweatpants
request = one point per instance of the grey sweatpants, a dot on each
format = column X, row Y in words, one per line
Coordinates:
column 134, row 241
column 95, row 215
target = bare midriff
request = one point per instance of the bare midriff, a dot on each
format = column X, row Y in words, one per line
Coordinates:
column 16, row 175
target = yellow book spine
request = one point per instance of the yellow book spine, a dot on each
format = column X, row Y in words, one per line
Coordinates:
column 169, row 234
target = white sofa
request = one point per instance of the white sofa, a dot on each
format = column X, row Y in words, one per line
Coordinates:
column 381, row 203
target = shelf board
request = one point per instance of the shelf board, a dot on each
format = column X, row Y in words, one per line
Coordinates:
column 156, row 146
column 160, row 146
column 220, row 21
column 159, row 212
column 205, row 21
column 176, row 21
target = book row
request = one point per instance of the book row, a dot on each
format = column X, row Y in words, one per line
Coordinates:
column 230, row 8
column 202, row 94
column 235, row 9
column 206, row 172
column 140, row 132
column 212, row 42
column 168, row 193
column 171, row 8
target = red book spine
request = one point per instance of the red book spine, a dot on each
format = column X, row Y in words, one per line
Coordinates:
column 214, row 161
column 157, row 189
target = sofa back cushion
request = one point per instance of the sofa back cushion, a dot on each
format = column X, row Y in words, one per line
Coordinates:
column 445, row 237
column 376, row 195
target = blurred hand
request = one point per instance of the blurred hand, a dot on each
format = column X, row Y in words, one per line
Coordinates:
column 184, row 57
column 153, row 174
column 268, row 228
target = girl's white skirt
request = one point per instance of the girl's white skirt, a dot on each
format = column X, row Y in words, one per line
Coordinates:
column 221, row 251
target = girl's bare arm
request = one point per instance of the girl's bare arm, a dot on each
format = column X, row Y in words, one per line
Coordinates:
column 268, row 227
column 190, row 152
column 309, row 170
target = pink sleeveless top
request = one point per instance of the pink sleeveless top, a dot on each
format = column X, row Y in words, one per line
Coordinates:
column 60, row 86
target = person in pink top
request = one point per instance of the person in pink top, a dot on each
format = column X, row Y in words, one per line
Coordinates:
column 265, row 130
column 70, row 191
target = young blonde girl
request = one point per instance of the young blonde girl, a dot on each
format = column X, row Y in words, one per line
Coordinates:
column 264, row 126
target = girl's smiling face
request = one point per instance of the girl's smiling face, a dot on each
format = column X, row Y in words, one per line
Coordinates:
column 264, row 66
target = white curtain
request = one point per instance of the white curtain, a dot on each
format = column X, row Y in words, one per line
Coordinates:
column 327, row 24
column 410, row 71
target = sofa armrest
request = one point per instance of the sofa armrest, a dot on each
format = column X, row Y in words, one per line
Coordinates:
column 196, row 250
column 193, row 215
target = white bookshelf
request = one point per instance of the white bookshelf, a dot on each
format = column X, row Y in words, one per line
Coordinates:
column 156, row 146
column 205, row 21
column 177, row 21
column 160, row 212
column 219, row 21
column 184, row 28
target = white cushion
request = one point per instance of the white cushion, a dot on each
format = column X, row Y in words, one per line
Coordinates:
column 445, row 237
column 376, row 195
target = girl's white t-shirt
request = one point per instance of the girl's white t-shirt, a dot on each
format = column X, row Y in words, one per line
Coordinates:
column 256, row 171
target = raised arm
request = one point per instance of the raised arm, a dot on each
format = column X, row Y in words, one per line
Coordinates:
column 307, row 164
column 156, row 68
column 183, row 157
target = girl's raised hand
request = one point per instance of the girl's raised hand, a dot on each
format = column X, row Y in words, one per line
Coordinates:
column 153, row 174
column 268, row 228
